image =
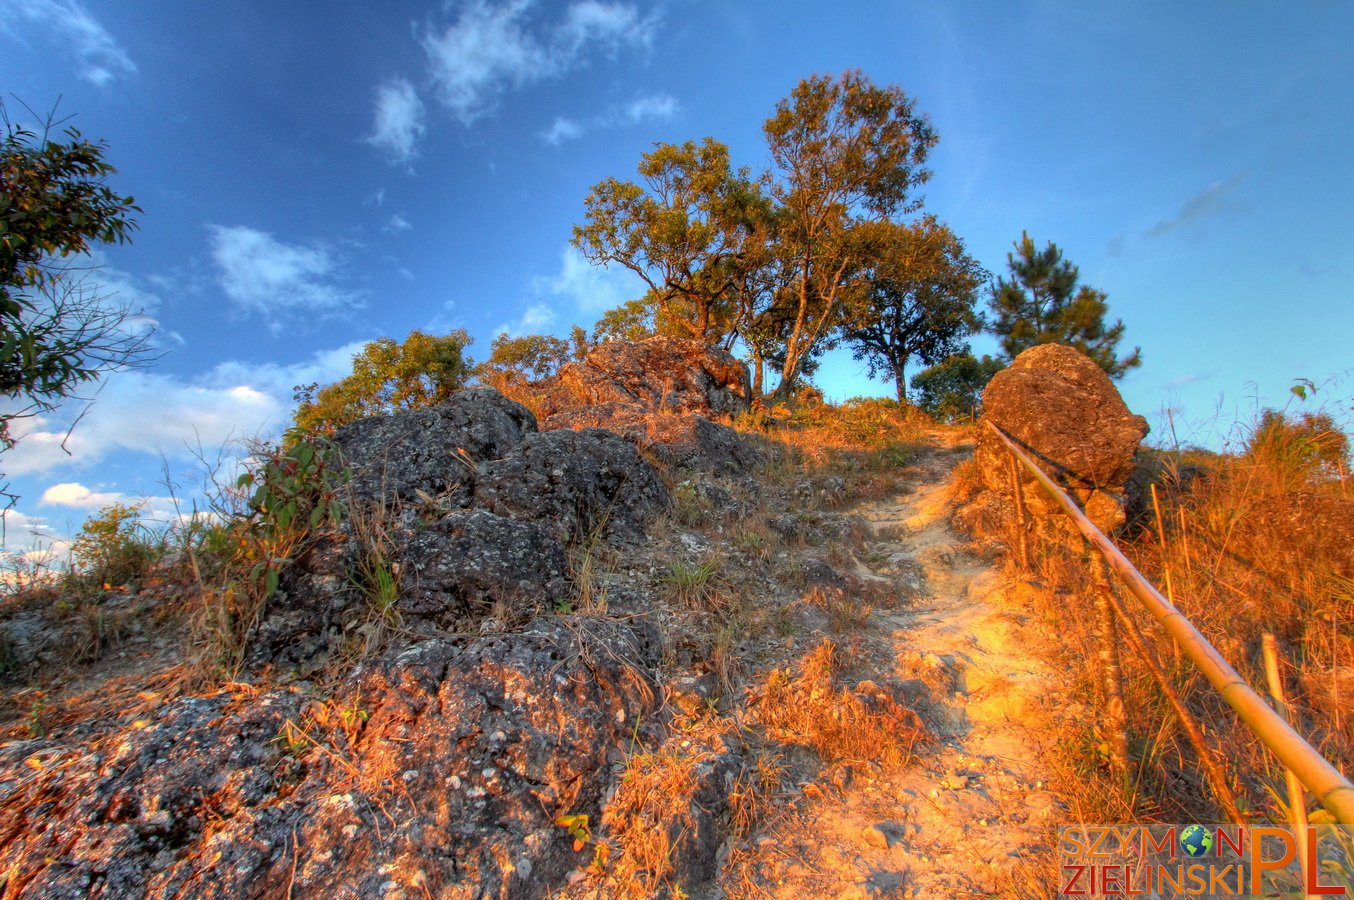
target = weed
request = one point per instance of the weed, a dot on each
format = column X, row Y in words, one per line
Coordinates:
column 695, row 586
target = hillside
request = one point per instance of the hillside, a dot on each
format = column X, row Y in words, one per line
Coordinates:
column 472, row 651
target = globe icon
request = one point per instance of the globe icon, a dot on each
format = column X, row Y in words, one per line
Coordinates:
column 1196, row 840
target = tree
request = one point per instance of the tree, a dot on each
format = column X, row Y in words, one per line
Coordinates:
column 1042, row 304
column 846, row 156
column 776, row 259
column 388, row 377
column 919, row 302
column 514, row 361
column 56, row 333
column 953, row 388
column 678, row 234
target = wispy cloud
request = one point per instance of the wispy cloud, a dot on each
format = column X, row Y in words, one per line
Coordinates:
column 1214, row 200
column 651, row 108
column 562, row 130
column 154, row 413
column 277, row 280
column 491, row 49
column 68, row 24
column 396, row 224
column 591, row 289
column 535, row 320
column 400, row 121
column 655, row 107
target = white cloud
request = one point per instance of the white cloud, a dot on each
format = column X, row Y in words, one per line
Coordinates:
column 77, row 496
column 562, row 130
column 489, row 49
column 536, row 320
column 69, row 24
column 157, row 414
column 29, row 542
column 592, row 289
column 654, row 107
column 399, row 121
column 395, row 224
column 263, row 275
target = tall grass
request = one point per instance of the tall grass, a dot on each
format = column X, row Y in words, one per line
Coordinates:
column 1257, row 539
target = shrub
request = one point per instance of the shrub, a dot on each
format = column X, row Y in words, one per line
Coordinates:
column 115, row 546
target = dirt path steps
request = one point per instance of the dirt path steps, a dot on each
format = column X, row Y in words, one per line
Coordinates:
column 959, row 820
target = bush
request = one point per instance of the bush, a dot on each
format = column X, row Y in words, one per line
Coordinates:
column 115, row 547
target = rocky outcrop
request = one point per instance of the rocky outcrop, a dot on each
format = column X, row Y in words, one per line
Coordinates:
column 577, row 483
column 1060, row 406
column 434, row 450
column 661, row 374
column 663, row 394
column 467, row 514
column 438, row 770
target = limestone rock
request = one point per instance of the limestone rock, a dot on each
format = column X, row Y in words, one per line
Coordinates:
column 661, row 374
column 576, row 483
column 1063, row 408
column 434, row 450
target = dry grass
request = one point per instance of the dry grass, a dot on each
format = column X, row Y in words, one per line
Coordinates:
column 654, row 807
column 861, row 724
column 1256, row 540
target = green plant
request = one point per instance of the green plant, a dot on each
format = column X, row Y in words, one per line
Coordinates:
column 694, row 585
column 56, row 333
column 115, row 546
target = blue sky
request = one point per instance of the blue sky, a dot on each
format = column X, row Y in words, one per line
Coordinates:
column 315, row 176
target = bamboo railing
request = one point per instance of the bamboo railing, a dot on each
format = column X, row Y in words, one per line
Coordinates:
column 1317, row 774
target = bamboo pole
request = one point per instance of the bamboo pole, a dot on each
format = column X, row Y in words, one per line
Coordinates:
column 1212, row 771
column 1165, row 563
column 1315, row 772
column 1111, row 672
column 1022, row 520
column 1297, row 800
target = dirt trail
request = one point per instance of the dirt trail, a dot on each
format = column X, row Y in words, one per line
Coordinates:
column 959, row 820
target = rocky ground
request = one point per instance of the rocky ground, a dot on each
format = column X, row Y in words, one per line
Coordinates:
column 657, row 658
column 973, row 812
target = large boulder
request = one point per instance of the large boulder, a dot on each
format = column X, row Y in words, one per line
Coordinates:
column 578, row 484
column 1061, row 407
column 661, row 374
column 434, row 450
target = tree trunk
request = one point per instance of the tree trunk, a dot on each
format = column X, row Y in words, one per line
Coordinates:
column 900, row 380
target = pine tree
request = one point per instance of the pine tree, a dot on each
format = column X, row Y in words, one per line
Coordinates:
column 1043, row 304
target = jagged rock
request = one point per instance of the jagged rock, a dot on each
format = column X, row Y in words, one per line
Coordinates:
column 445, row 779
column 474, row 563
column 576, row 483
column 688, row 441
column 1062, row 407
column 660, row 374
column 435, row 450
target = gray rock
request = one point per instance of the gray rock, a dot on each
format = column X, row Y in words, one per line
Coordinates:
column 474, row 563
column 576, row 483
column 435, row 450
column 447, row 776
column 689, row 442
